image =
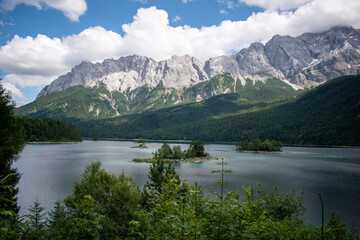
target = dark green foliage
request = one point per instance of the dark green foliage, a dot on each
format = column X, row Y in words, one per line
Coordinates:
column 257, row 145
column 335, row 229
column 141, row 142
column 103, row 205
column 57, row 221
column 275, row 205
column 8, row 217
column 50, row 130
column 354, row 233
column 11, row 143
column 159, row 173
column 35, row 229
column 181, row 211
column 196, row 150
column 165, row 152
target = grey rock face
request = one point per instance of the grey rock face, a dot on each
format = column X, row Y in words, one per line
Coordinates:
column 306, row 59
column 315, row 57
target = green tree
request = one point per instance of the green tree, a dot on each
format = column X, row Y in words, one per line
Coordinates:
column 11, row 143
column 335, row 229
column 57, row 222
column 159, row 173
column 354, row 231
column 196, row 149
column 108, row 201
column 165, row 152
column 177, row 211
column 177, row 153
column 141, row 142
column 257, row 145
column 8, row 218
column 35, row 228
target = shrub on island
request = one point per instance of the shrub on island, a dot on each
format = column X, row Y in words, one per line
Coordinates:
column 257, row 146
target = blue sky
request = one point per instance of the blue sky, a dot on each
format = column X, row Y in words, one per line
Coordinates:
column 42, row 39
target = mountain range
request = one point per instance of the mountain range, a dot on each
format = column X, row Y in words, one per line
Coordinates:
column 306, row 59
column 256, row 78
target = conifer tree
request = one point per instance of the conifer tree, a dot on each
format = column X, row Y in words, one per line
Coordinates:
column 11, row 143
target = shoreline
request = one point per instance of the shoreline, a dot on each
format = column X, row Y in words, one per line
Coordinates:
column 173, row 161
column 219, row 142
column 51, row 142
column 249, row 151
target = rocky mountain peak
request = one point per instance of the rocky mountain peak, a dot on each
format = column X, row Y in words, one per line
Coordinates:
column 306, row 59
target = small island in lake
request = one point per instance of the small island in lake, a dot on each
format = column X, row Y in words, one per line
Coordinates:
column 257, row 146
column 141, row 142
column 195, row 153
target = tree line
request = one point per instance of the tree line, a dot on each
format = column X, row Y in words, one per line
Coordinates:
column 49, row 130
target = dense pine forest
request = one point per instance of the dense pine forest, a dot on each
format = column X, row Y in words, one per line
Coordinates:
column 49, row 130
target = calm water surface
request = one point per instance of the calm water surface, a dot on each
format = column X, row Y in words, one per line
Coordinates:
column 49, row 170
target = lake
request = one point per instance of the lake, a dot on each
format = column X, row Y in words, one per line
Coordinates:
column 49, row 170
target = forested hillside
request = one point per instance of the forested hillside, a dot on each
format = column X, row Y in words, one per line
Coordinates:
column 328, row 115
column 49, row 130
column 84, row 103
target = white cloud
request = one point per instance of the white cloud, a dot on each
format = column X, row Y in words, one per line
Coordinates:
column 229, row 3
column 45, row 56
column 222, row 11
column 27, row 80
column 36, row 61
column 186, row 1
column 142, row 1
column 72, row 9
column 176, row 19
column 266, row 4
column 11, row 89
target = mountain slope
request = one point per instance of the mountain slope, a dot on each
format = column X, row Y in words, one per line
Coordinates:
column 80, row 102
column 328, row 114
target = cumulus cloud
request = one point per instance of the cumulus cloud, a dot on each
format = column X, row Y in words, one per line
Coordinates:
column 72, row 9
column 14, row 91
column 46, row 56
column 36, row 61
column 13, row 83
